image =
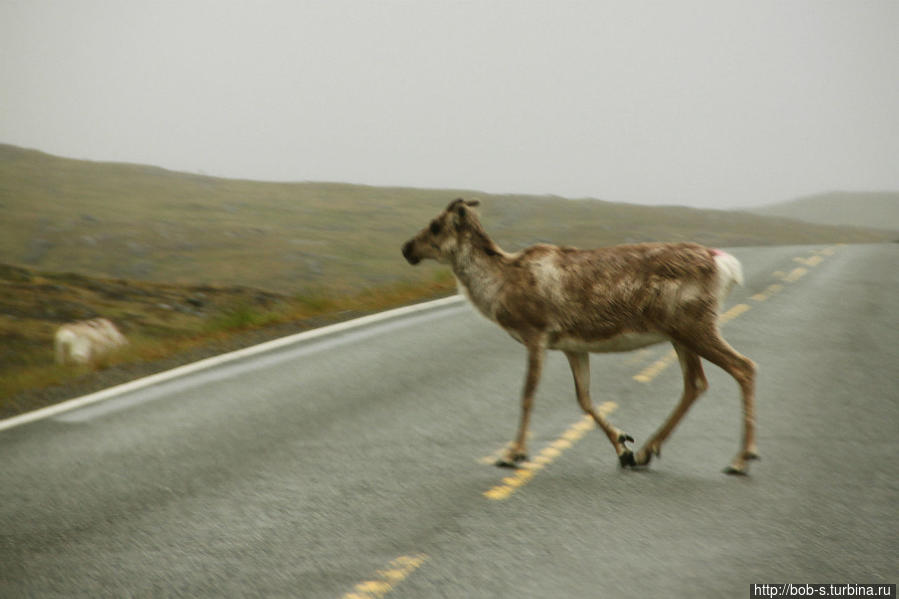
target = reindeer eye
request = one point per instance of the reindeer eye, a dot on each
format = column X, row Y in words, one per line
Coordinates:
column 435, row 227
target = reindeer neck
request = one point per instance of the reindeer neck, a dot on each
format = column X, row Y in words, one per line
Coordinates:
column 478, row 266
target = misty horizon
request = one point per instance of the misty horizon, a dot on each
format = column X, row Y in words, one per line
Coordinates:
column 200, row 173
column 702, row 104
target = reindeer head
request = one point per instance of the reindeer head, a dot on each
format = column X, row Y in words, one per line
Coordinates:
column 440, row 240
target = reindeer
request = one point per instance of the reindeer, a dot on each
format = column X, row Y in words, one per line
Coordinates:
column 86, row 341
column 612, row 299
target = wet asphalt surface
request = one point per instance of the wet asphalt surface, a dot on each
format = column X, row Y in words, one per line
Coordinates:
column 357, row 464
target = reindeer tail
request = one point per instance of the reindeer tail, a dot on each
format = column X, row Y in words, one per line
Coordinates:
column 730, row 273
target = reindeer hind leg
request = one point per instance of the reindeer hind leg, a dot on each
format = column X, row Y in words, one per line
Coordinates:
column 716, row 350
column 695, row 384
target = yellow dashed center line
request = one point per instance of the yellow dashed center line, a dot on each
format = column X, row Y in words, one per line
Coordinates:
column 768, row 292
column 547, row 455
column 637, row 357
column 386, row 580
column 734, row 313
column 810, row 261
column 795, row 274
column 654, row 369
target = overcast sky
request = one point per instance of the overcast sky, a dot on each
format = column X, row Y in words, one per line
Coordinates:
column 711, row 103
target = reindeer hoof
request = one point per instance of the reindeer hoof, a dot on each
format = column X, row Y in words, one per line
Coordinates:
column 739, row 467
column 624, row 437
column 626, row 459
column 644, row 456
column 511, row 461
column 736, row 470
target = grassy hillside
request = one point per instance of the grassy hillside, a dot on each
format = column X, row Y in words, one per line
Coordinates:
column 150, row 224
column 160, row 320
column 179, row 261
column 858, row 209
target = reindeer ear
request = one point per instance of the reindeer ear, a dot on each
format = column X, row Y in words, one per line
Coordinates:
column 454, row 203
column 459, row 209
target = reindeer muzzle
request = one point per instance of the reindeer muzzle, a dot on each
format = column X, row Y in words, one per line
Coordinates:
column 408, row 254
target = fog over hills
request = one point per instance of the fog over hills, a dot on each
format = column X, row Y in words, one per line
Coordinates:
column 879, row 209
column 148, row 223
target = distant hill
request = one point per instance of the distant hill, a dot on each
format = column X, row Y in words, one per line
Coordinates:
column 857, row 209
column 151, row 224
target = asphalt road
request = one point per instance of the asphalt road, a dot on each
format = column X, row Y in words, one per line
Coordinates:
column 354, row 465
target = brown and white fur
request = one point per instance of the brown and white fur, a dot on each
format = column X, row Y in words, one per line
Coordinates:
column 605, row 300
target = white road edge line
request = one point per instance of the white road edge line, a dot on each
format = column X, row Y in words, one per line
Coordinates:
column 153, row 379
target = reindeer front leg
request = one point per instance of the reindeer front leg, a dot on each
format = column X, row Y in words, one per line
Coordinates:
column 517, row 452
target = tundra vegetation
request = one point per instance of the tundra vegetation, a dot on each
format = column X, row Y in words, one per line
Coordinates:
column 179, row 260
column 161, row 321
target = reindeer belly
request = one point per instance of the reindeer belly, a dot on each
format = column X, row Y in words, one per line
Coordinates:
column 619, row 343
